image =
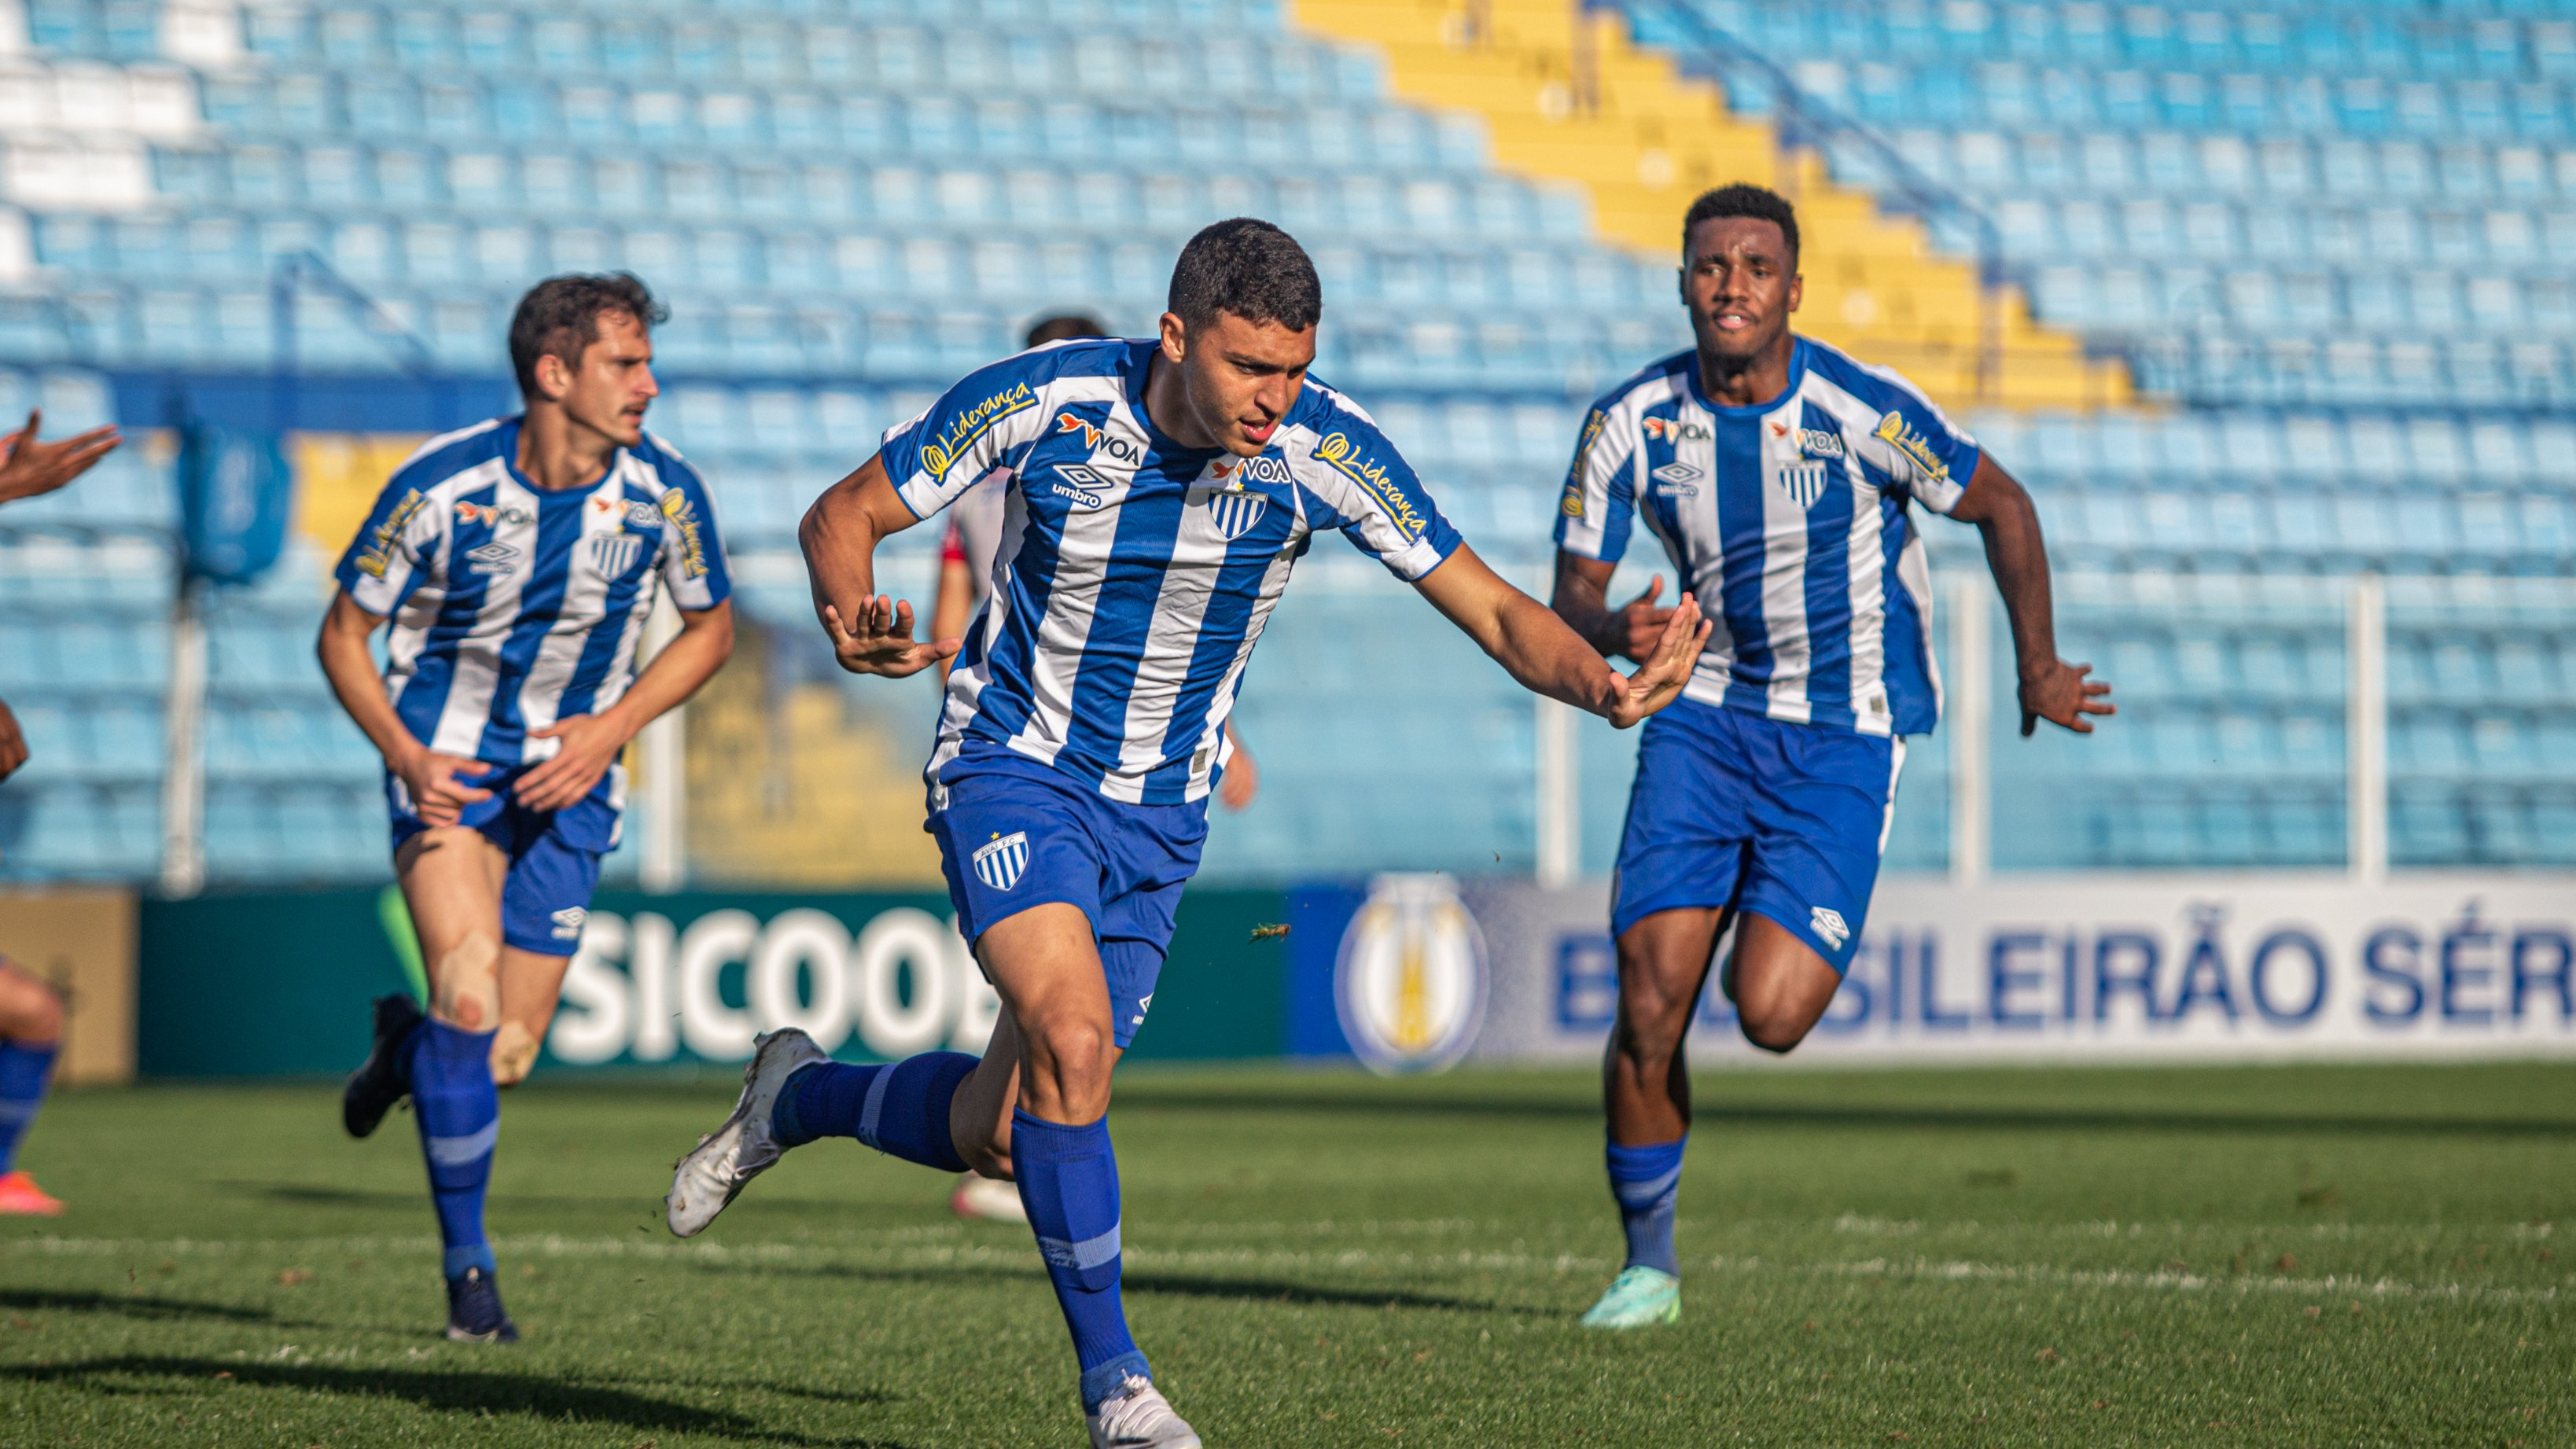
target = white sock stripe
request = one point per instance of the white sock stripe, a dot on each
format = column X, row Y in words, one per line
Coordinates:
column 874, row 1104
column 457, row 1151
column 1089, row 1253
column 19, row 1111
column 1644, row 1194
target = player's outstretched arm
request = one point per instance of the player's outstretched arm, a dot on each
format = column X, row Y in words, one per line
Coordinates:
column 870, row 632
column 438, row 794
column 1537, row 648
column 591, row 742
column 2051, row 688
column 1581, row 599
column 29, row 468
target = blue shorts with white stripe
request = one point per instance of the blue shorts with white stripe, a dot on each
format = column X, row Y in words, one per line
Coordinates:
column 1016, row 834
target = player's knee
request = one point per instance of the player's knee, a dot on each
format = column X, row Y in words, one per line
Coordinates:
column 1072, row 1060
column 469, row 988
column 30, row 1010
column 1775, row 1031
column 514, row 1054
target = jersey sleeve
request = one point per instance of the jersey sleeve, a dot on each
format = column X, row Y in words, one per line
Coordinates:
column 971, row 429
column 396, row 550
column 1599, row 503
column 1370, row 493
column 693, row 556
column 1916, row 445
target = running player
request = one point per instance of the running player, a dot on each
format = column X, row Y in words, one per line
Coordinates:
column 518, row 560
column 1777, row 473
column 966, row 554
column 31, row 1010
column 1160, row 491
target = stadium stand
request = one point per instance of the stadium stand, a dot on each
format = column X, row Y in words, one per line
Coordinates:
column 850, row 204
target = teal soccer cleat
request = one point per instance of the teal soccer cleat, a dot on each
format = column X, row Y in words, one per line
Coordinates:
column 1639, row 1297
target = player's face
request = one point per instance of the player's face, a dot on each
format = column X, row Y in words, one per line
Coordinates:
column 1239, row 378
column 1740, row 284
column 614, row 384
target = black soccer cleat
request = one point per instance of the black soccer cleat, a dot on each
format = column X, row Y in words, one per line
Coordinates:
column 474, row 1312
column 378, row 1082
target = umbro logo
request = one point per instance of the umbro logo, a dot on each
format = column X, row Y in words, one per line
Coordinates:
column 568, row 922
column 1829, row 926
column 1081, row 483
column 491, row 556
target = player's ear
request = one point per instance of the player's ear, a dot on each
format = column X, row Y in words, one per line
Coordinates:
column 553, row 378
column 1176, row 337
column 1797, row 289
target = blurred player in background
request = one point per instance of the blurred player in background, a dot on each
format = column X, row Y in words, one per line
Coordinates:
column 1777, row 473
column 517, row 560
column 1160, row 491
column 31, row 1010
column 966, row 555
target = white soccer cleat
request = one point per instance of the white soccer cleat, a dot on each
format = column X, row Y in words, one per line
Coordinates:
column 723, row 1163
column 1137, row 1417
column 978, row 1196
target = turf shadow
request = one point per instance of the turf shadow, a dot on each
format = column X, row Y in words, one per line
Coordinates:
column 1246, row 1290
column 135, row 1305
column 2016, row 1119
column 1260, row 1290
column 449, row 1391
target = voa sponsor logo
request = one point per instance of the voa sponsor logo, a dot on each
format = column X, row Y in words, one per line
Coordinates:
column 648, row 988
column 1101, row 441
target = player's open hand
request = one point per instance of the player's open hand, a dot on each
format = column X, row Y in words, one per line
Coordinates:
column 30, row 469
column 13, row 745
column 1667, row 667
column 590, row 743
column 2059, row 693
column 1638, row 625
column 880, row 640
column 439, row 785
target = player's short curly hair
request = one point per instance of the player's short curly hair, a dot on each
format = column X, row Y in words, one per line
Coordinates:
column 560, row 316
column 1251, row 269
column 1743, row 199
column 1065, row 327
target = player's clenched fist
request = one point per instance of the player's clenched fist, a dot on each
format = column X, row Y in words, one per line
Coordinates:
column 1659, row 680
column 881, row 641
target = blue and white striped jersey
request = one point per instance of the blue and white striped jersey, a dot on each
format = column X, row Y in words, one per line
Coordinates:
column 514, row 606
column 1135, row 574
column 1789, row 521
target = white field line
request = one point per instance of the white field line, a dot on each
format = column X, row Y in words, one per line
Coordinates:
column 935, row 1255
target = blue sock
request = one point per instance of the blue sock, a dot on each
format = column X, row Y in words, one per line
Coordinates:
column 24, row 1070
column 460, row 1118
column 900, row 1109
column 1646, row 1180
column 1069, row 1183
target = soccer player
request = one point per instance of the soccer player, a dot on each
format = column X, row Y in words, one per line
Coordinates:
column 517, row 560
column 31, row 1010
column 966, row 554
column 1160, row 491
column 1779, row 474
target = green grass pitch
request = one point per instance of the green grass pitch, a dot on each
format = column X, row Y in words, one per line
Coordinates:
column 2247, row 1256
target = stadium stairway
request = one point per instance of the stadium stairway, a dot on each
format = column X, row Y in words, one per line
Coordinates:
column 1565, row 95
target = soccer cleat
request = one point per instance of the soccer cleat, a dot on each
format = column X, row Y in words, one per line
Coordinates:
column 1640, row 1297
column 20, row 1197
column 717, row 1169
column 378, row 1082
column 1137, row 1417
column 978, row 1196
column 474, row 1312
